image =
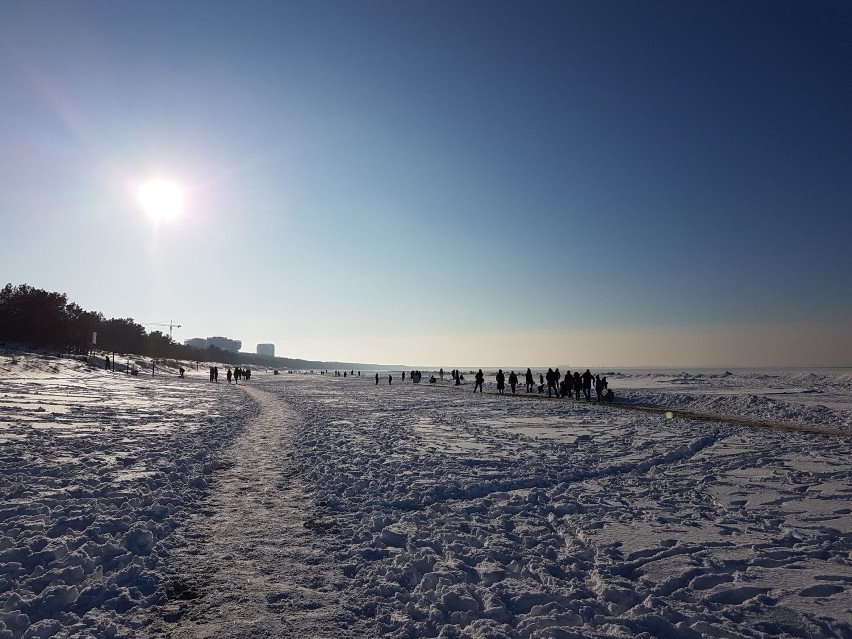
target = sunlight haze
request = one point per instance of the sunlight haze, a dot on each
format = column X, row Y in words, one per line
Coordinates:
column 440, row 183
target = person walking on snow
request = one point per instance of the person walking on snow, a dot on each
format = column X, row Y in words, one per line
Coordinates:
column 587, row 385
column 513, row 381
column 479, row 378
column 565, row 386
column 599, row 386
column 529, row 381
column 551, row 382
column 501, row 381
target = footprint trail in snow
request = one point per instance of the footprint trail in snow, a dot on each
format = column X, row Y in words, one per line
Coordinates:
column 259, row 571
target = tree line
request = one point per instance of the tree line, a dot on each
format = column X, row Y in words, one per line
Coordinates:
column 41, row 319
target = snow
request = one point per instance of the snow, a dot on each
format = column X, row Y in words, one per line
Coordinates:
column 307, row 505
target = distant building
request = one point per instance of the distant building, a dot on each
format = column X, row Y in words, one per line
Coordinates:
column 266, row 349
column 225, row 343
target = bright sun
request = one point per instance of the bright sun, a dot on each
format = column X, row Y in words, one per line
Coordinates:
column 161, row 199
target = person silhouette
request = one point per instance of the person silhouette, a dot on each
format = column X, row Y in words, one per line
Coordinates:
column 587, row 385
column 479, row 379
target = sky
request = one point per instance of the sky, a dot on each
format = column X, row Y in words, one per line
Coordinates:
column 441, row 183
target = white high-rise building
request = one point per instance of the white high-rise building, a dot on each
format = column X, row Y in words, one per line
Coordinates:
column 266, row 349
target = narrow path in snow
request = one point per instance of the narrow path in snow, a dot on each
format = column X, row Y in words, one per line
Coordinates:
column 255, row 568
column 729, row 419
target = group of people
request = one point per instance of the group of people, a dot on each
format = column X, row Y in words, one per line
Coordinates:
column 569, row 386
column 416, row 376
column 479, row 379
column 458, row 378
column 501, row 381
column 572, row 385
column 237, row 374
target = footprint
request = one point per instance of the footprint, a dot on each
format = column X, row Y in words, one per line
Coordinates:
column 822, row 590
column 736, row 596
column 706, row 582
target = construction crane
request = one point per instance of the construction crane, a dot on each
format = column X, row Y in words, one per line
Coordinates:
column 171, row 325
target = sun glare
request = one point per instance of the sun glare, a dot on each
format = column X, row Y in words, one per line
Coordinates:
column 161, row 199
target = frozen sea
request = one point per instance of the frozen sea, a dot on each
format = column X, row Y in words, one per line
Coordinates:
column 306, row 505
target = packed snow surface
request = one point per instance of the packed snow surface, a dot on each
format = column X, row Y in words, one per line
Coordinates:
column 306, row 505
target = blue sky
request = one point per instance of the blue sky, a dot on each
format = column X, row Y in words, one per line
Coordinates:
column 442, row 183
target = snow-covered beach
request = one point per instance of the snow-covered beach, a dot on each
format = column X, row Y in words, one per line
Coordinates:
column 307, row 505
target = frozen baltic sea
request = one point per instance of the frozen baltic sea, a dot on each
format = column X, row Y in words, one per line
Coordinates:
column 305, row 505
